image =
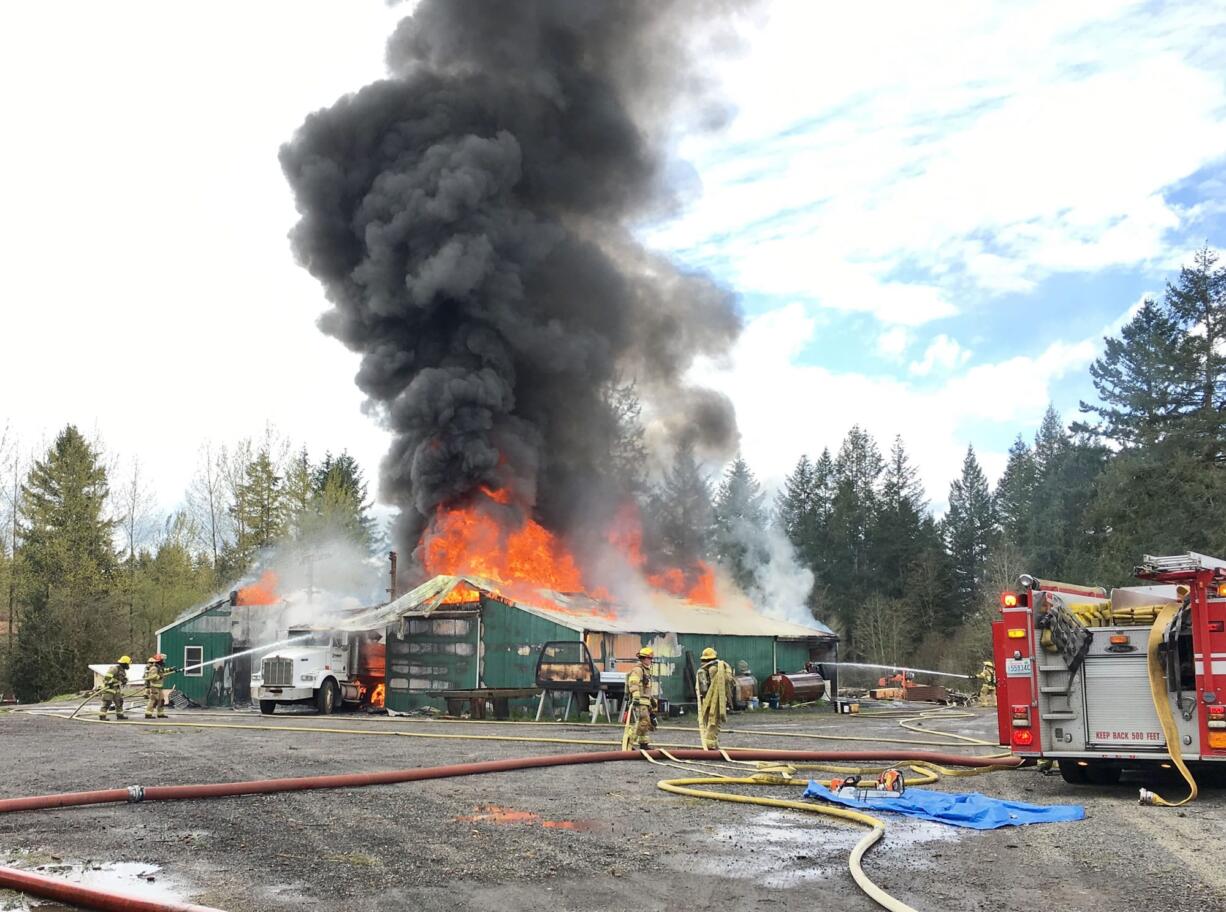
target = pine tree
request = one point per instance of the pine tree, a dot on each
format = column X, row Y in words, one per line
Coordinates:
column 259, row 510
column 626, row 461
column 682, row 512
column 846, row 568
column 70, row 618
column 1014, row 496
column 796, row 507
column 896, row 537
column 1140, row 381
column 301, row 498
column 340, row 492
column 969, row 533
column 1198, row 302
column 739, row 522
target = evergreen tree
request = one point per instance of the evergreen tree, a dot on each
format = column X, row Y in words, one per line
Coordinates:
column 1014, row 496
column 969, row 533
column 1140, row 381
column 301, row 498
column 340, row 493
column 1198, row 301
column 740, row 523
column 796, row 508
column 69, row 618
column 259, row 510
column 682, row 511
column 896, row 536
column 626, row 460
column 846, row 567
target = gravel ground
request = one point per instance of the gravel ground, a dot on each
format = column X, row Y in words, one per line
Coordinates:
column 585, row 837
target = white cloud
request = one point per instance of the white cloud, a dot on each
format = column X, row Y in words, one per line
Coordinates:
column 893, row 342
column 969, row 148
column 943, row 354
column 786, row 408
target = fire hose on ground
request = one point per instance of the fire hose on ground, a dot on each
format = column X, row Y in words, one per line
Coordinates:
column 98, row 899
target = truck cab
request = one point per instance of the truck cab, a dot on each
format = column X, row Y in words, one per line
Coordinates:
column 319, row 669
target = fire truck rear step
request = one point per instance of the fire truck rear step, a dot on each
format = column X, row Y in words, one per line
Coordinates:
column 1058, row 716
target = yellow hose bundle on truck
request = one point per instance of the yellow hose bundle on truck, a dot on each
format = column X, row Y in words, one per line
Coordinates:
column 1162, row 703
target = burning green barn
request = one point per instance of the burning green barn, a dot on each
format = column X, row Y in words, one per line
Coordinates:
column 455, row 633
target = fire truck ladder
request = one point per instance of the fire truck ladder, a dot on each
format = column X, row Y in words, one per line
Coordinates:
column 1073, row 641
column 1176, row 563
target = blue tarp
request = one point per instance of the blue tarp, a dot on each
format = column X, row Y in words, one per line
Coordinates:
column 973, row 810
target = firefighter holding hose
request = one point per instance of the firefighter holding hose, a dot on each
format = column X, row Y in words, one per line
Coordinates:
column 714, row 687
column 156, row 674
column 640, row 704
column 113, row 683
column 987, row 684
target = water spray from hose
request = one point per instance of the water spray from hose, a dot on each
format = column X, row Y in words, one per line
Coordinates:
column 902, row 668
column 236, row 655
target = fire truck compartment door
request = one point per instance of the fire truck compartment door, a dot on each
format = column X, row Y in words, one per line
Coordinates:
column 1119, row 708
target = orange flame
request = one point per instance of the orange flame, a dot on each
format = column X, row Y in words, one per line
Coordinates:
column 262, row 592
column 378, row 694
column 522, row 557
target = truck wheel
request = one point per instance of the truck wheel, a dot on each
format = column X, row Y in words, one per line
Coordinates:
column 325, row 698
column 1072, row 772
column 268, row 707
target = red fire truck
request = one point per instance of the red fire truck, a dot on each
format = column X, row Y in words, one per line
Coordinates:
column 1106, row 681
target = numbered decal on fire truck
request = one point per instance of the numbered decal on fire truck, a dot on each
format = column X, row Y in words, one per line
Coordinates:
column 1017, row 668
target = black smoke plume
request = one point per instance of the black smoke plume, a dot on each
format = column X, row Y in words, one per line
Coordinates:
column 469, row 218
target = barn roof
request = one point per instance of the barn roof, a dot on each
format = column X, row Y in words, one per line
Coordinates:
column 656, row 613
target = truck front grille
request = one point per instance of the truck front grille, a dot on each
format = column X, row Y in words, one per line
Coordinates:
column 278, row 672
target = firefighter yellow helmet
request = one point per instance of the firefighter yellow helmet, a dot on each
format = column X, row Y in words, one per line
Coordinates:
column 988, row 664
column 646, row 652
column 709, row 653
column 125, row 660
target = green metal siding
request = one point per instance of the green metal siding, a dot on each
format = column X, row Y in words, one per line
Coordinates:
column 435, row 653
column 211, row 632
column 511, row 642
column 758, row 651
column 792, row 655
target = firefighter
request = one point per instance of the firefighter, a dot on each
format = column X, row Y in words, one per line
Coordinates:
column 987, row 684
column 156, row 674
column 714, row 688
column 640, row 704
column 113, row 683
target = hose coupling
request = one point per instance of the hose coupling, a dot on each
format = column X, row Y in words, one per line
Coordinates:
column 1148, row 797
column 136, row 794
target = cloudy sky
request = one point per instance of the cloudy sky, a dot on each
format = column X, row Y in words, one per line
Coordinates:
column 932, row 212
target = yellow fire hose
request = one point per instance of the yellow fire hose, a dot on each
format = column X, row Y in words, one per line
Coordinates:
column 1162, row 703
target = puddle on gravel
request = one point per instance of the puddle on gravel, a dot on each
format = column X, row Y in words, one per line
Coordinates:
column 778, row 850
column 140, row 881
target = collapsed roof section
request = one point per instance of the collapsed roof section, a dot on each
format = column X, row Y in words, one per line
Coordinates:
column 659, row 613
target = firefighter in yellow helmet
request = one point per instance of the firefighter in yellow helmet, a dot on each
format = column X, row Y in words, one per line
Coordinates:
column 714, row 687
column 156, row 674
column 640, row 703
column 987, row 684
column 113, row 683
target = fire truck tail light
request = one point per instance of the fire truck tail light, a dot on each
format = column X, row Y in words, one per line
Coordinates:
column 1021, row 716
column 1221, row 590
column 1017, row 633
column 1217, row 717
column 1008, row 599
column 1120, row 639
column 1023, row 737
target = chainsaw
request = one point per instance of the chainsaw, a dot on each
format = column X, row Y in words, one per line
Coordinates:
column 888, row 784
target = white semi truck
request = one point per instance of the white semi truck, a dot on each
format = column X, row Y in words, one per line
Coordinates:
column 325, row 668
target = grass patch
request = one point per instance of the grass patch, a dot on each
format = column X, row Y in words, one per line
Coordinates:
column 355, row 859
